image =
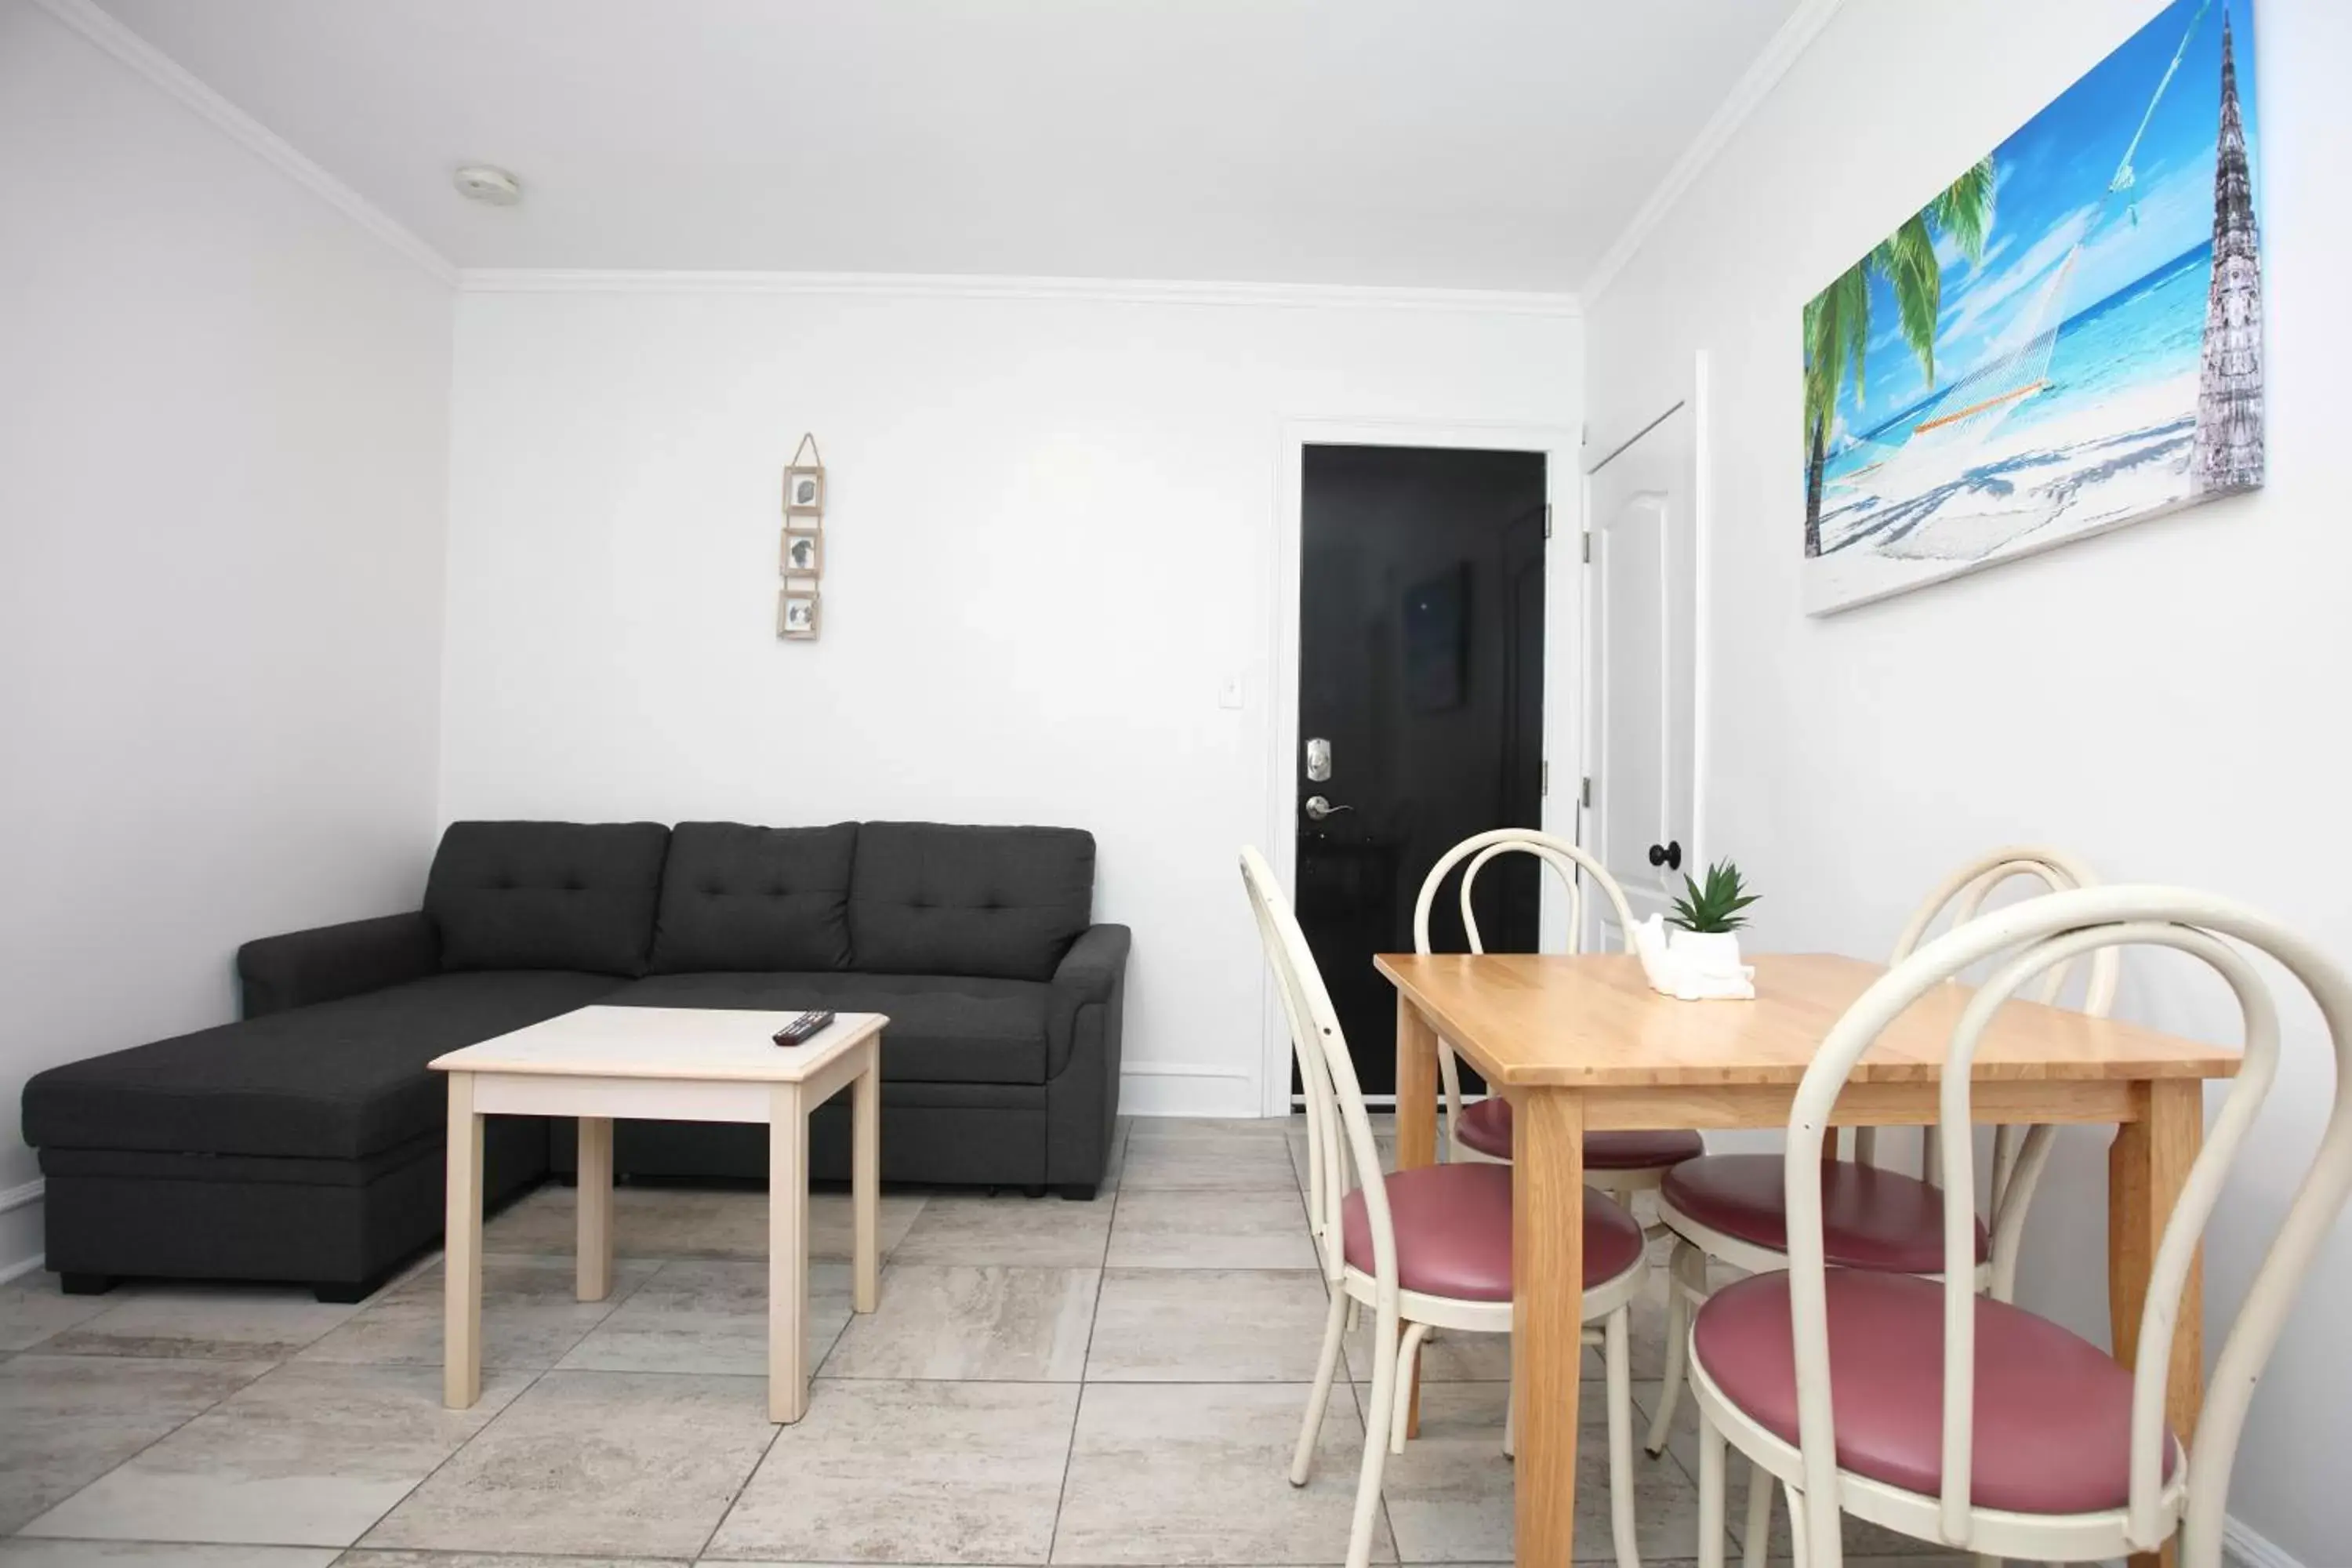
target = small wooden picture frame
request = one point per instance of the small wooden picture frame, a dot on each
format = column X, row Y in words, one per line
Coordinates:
column 803, row 554
column 804, row 491
column 796, row 615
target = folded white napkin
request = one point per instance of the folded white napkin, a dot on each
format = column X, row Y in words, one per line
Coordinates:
column 1683, row 977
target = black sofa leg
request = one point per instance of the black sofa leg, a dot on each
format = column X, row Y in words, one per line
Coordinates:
column 347, row 1292
column 1034, row 1190
column 1078, row 1192
column 87, row 1284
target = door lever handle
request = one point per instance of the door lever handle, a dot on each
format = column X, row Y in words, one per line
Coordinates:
column 1318, row 808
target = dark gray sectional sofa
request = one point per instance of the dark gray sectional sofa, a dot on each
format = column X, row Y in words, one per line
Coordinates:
column 305, row 1142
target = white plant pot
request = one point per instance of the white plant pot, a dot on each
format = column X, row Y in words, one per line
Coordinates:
column 1716, row 952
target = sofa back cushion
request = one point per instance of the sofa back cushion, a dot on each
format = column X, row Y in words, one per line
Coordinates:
column 547, row 895
column 740, row 898
column 929, row 899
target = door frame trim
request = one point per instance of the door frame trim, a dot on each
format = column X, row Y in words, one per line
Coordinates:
column 1690, row 392
column 1562, row 448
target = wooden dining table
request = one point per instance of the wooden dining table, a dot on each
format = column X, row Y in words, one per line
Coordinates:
column 1580, row 1043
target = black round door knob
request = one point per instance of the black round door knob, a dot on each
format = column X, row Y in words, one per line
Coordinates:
column 1669, row 855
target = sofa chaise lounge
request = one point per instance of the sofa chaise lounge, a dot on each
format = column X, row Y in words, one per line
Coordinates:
column 306, row 1141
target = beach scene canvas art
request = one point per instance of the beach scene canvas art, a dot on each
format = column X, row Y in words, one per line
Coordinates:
column 2066, row 337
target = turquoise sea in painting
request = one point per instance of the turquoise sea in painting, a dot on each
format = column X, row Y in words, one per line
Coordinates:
column 2064, row 451
column 2079, row 330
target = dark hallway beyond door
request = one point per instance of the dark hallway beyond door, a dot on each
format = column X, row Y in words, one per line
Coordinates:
column 1421, row 674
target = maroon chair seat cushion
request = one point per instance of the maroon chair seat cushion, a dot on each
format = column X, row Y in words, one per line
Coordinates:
column 1869, row 1218
column 2052, row 1410
column 1453, row 1232
column 1486, row 1125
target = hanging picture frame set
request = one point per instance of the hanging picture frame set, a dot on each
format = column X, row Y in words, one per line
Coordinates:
column 801, row 559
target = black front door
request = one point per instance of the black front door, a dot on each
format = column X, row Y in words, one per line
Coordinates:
column 1419, row 703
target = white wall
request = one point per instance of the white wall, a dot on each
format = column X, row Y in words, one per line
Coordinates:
column 1049, row 541
column 223, row 428
column 2167, row 701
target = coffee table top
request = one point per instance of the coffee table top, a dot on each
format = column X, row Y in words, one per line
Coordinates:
column 723, row 1043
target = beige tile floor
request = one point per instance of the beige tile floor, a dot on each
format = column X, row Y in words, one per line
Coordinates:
column 1112, row 1383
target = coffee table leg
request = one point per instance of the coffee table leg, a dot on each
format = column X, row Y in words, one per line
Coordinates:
column 595, row 1265
column 461, row 1330
column 787, row 1255
column 866, row 1183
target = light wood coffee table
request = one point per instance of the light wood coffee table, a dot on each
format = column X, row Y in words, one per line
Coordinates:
column 667, row 1064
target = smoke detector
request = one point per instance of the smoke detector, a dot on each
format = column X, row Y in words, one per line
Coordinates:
column 481, row 182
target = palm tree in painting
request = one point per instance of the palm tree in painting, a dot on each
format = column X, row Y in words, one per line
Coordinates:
column 1837, row 319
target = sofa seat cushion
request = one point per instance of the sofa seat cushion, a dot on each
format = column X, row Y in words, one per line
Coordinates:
column 341, row 1080
column 943, row 1029
column 928, row 898
column 547, row 895
column 739, row 898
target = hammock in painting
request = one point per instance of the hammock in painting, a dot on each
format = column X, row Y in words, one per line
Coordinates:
column 1961, row 415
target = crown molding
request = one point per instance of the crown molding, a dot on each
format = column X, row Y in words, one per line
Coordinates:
column 1796, row 35
column 85, row 17
column 932, row 286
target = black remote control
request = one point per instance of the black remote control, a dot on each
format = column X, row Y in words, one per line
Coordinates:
column 798, row 1031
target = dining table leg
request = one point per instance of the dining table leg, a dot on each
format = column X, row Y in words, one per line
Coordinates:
column 1416, row 1088
column 1547, row 1316
column 2148, row 1165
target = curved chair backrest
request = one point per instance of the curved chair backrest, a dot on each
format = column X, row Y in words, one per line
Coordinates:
column 1962, row 895
column 1964, row 892
column 2031, row 939
column 1563, row 858
column 1338, row 1131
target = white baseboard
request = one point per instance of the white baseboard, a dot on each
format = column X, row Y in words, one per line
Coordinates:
column 1183, row 1088
column 2243, row 1546
column 20, row 1230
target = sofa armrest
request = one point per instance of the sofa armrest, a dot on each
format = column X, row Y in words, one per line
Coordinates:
column 1088, row 974
column 331, row 961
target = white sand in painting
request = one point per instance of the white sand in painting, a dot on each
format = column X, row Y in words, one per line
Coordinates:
column 1936, row 508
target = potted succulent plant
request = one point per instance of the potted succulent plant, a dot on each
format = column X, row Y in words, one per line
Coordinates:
column 1706, row 918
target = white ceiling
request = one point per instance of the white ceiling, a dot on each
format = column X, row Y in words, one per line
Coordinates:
column 1460, row 143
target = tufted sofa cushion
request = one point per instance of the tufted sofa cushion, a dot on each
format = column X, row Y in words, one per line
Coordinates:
column 944, row 1029
column 740, row 898
column 547, row 895
column 931, row 899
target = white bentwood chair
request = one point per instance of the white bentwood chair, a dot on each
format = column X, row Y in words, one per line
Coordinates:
column 1730, row 1207
column 1422, row 1248
column 1867, row 1393
column 1619, row 1163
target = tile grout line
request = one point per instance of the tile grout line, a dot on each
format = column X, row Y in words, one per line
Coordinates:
column 1078, row 1406
column 775, row 1436
column 352, row 1545
column 537, row 1374
column 142, row 1447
